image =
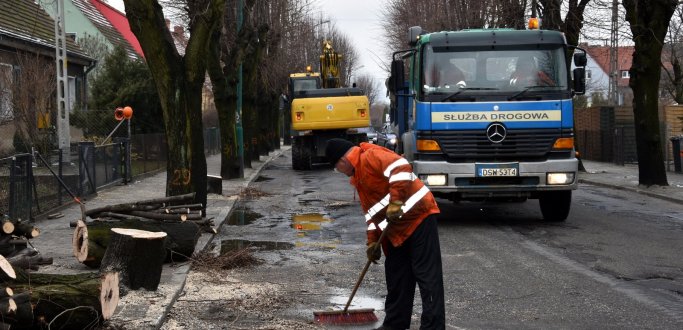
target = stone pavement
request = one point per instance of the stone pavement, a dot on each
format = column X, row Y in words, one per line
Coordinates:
column 143, row 309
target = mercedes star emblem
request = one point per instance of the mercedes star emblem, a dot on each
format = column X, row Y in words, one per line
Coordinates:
column 496, row 132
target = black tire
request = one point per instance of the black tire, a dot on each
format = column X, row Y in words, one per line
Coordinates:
column 555, row 205
column 301, row 155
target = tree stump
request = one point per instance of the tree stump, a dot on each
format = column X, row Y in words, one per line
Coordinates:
column 90, row 240
column 137, row 255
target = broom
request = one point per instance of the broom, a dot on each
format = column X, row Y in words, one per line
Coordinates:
column 351, row 316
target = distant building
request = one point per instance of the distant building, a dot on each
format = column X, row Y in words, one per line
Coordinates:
column 597, row 74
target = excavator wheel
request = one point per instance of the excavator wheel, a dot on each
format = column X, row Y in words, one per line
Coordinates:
column 302, row 158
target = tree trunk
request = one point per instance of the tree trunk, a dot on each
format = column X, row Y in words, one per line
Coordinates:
column 91, row 239
column 137, row 256
column 179, row 81
column 224, row 97
column 67, row 301
column 649, row 23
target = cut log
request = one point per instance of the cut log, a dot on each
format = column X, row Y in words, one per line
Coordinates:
column 7, row 226
column 6, row 271
column 28, row 258
column 6, row 292
column 138, row 257
column 74, row 301
column 5, row 247
column 7, row 306
column 145, row 205
column 23, row 229
column 91, row 240
column 214, row 184
column 22, row 316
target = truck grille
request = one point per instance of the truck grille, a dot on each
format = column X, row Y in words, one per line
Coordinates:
column 524, row 144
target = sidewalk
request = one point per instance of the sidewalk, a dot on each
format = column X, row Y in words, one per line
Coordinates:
column 142, row 309
column 626, row 178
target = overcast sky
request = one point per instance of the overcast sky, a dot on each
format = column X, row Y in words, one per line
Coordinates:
column 360, row 21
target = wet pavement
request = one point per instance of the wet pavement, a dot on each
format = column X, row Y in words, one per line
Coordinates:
column 147, row 310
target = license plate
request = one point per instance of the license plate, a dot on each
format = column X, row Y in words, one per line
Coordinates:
column 486, row 170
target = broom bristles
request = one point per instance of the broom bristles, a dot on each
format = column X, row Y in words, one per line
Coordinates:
column 358, row 316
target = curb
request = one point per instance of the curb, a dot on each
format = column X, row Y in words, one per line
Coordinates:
column 633, row 189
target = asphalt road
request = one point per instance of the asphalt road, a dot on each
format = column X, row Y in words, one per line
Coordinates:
column 614, row 264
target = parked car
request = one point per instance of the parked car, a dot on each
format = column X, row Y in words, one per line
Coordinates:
column 387, row 138
column 370, row 132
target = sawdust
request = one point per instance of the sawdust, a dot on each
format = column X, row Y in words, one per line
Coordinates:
column 217, row 300
column 252, row 193
column 206, row 261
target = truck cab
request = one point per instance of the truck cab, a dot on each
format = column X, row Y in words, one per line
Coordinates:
column 488, row 114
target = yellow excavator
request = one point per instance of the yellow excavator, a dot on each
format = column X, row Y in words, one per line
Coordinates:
column 322, row 110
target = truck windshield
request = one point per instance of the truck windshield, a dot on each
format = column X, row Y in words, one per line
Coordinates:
column 504, row 72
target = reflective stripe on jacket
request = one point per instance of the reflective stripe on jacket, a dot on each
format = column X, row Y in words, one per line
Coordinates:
column 380, row 177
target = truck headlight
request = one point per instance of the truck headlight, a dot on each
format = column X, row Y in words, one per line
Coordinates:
column 560, row 178
column 434, row 179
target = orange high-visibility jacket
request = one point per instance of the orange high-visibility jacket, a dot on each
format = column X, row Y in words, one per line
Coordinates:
column 380, row 177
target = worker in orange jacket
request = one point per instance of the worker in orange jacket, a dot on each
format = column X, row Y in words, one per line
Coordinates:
column 390, row 192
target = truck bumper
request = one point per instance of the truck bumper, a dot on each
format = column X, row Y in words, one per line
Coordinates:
column 463, row 182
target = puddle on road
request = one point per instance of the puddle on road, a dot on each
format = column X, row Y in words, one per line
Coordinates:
column 310, row 226
column 239, row 244
column 304, row 223
column 241, row 217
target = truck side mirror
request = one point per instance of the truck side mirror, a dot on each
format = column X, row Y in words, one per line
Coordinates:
column 580, row 59
column 397, row 78
column 579, row 81
column 414, row 33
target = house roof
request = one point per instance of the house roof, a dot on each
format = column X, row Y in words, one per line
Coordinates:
column 25, row 22
column 601, row 56
column 120, row 23
column 104, row 26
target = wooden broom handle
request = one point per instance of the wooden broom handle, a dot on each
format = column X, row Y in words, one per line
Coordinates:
column 365, row 270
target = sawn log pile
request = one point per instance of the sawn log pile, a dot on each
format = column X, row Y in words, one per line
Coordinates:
column 125, row 244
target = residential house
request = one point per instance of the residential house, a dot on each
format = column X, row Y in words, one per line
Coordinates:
column 84, row 20
column 27, row 31
column 597, row 74
column 120, row 22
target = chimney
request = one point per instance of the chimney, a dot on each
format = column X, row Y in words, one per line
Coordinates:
column 178, row 29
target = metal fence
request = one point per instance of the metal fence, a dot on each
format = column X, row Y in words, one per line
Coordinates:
column 30, row 183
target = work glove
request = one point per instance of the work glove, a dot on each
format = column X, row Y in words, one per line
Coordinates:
column 394, row 211
column 374, row 252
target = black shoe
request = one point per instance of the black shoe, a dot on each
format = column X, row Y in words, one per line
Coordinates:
column 384, row 327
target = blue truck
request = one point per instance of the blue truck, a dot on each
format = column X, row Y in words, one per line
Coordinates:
column 475, row 127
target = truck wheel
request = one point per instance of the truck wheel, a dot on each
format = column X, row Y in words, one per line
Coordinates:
column 301, row 155
column 296, row 157
column 555, row 205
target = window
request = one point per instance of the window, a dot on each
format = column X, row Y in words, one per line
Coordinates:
column 625, row 74
column 6, row 82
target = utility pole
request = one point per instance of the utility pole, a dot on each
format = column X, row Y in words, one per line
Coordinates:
column 238, row 122
column 613, row 91
column 63, row 131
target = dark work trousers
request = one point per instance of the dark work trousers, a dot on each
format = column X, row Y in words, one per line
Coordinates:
column 417, row 261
